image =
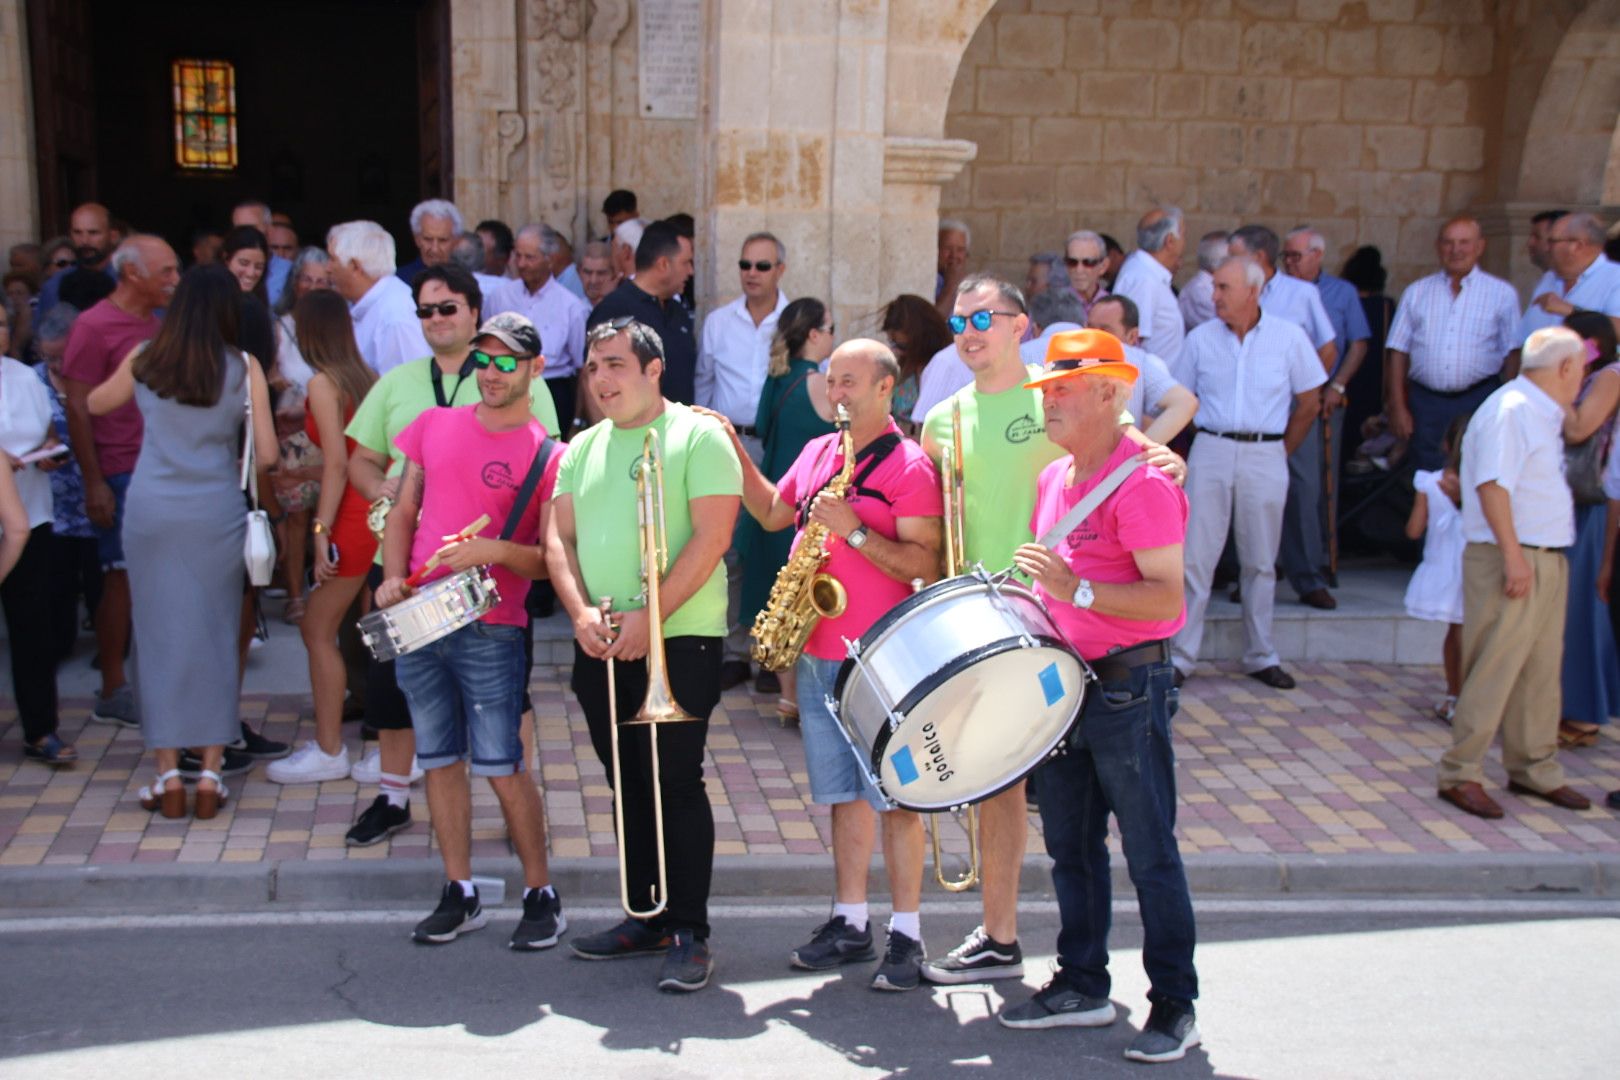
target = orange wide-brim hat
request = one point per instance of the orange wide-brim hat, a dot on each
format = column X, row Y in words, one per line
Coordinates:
column 1084, row 352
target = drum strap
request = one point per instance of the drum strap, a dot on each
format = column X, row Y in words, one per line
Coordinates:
column 1094, row 498
column 531, row 480
column 874, row 454
column 438, row 381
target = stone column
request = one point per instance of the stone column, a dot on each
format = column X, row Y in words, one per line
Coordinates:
column 914, row 170
column 19, row 203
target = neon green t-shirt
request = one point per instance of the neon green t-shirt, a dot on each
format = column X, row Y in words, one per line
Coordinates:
column 599, row 473
column 1004, row 449
column 406, row 392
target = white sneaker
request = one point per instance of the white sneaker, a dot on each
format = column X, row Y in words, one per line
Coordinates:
column 309, row 764
column 368, row 770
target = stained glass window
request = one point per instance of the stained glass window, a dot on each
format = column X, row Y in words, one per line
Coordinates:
column 204, row 114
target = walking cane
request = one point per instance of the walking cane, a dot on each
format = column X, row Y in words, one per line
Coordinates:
column 1328, row 510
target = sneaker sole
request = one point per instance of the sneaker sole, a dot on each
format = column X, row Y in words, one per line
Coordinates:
column 1193, row 1039
column 380, row 837
column 477, row 922
column 853, row 958
column 536, row 944
column 630, row 955
column 947, row 977
column 1090, row 1018
column 675, row 986
column 119, row 720
column 881, row 982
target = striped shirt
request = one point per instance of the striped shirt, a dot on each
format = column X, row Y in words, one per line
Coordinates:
column 1455, row 341
column 1597, row 289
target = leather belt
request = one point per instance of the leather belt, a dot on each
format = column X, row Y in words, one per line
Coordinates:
column 1543, row 547
column 1118, row 665
column 1242, row 436
column 1452, row 395
column 745, row 429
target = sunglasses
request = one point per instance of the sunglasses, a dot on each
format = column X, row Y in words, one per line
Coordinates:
column 505, row 364
column 829, row 329
column 763, row 266
column 1071, row 262
column 980, row 319
column 427, row 311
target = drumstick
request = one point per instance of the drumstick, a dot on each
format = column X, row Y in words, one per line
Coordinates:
column 457, row 538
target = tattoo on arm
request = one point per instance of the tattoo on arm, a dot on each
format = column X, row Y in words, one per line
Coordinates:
column 418, row 481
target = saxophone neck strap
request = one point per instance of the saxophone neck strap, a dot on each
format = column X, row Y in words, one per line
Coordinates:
column 872, row 455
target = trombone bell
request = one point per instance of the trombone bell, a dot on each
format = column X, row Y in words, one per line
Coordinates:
column 970, row 877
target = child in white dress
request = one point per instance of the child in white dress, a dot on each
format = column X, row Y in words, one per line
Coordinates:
column 1435, row 592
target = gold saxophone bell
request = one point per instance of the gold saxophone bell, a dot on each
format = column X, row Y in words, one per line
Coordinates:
column 950, row 474
column 827, row 596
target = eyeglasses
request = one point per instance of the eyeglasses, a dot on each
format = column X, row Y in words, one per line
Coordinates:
column 1292, row 256
column 1551, row 240
column 829, row 329
column 446, row 308
column 763, row 266
column 980, row 319
column 505, row 363
column 1071, row 262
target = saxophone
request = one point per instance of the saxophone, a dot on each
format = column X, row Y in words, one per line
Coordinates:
column 802, row 594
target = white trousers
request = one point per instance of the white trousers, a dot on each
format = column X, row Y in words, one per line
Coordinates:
column 1243, row 485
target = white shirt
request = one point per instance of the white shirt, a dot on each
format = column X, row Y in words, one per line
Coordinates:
column 1300, row 302
column 487, row 284
column 558, row 314
column 25, row 421
column 943, row 376
column 1455, row 341
column 1152, row 383
column 1597, row 289
column 1249, row 385
column 1516, row 438
column 1145, row 280
column 1197, row 299
column 386, row 327
column 1033, row 351
column 733, row 354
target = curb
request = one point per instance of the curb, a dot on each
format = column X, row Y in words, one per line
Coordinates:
column 307, row 884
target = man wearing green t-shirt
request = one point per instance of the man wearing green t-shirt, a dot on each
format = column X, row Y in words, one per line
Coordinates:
column 1004, row 449
column 596, row 491
column 448, row 302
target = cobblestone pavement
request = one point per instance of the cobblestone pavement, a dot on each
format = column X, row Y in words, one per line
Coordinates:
column 1344, row 765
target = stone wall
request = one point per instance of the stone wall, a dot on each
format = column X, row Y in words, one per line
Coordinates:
column 19, row 211
column 1371, row 120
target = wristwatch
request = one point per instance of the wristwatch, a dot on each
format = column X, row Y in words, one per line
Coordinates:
column 857, row 539
column 1083, row 596
column 1338, row 387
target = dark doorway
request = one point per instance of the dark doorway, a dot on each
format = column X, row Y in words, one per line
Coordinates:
column 330, row 99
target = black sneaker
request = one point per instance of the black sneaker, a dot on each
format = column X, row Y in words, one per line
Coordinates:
column 235, row 764
column 902, row 962
column 542, row 921
column 258, row 747
column 687, row 964
column 834, row 942
column 455, row 915
column 1058, row 1005
column 978, row 958
column 378, row 822
column 1169, row 1033
column 633, row 937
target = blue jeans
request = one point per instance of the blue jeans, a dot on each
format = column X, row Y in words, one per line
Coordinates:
column 1119, row 759
column 110, row 541
column 466, row 692
column 834, row 770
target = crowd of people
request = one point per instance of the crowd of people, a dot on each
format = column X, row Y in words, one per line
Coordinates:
column 499, row 379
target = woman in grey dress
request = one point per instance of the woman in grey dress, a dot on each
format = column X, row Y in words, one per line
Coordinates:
column 184, row 528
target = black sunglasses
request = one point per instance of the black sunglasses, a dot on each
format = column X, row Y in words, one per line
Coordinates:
column 1071, row 262
column 763, row 266
column 505, row 363
column 447, row 308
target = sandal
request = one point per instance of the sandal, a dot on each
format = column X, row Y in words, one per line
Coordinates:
column 787, row 712
column 293, row 614
column 209, row 800
column 1571, row 737
column 160, row 796
column 51, row 750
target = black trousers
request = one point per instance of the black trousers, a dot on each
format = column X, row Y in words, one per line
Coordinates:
column 386, row 708
column 563, row 391
column 26, row 597
column 694, row 676
column 75, row 571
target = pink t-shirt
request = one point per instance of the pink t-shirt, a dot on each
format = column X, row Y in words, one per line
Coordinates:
column 1148, row 511
column 909, row 483
column 470, row 471
column 97, row 344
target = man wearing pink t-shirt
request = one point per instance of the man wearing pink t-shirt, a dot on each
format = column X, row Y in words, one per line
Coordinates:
column 1113, row 583
column 885, row 534
column 494, row 461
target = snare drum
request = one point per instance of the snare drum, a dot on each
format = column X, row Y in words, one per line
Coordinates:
column 958, row 693
column 432, row 612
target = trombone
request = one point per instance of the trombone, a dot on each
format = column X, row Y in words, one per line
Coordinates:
column 659, row 706
column 950, row 472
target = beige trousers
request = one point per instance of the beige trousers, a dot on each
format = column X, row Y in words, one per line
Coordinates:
column 1512, row 651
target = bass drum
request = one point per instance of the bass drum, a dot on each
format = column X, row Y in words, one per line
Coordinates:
column 982, row 682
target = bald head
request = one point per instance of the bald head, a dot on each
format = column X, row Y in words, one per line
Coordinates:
column 148, row 271
column 89, row 228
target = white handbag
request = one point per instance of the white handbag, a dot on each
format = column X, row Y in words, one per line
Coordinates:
column 259, row 546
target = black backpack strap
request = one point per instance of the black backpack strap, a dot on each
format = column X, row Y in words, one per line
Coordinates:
column 531, row 480
column 873, row 456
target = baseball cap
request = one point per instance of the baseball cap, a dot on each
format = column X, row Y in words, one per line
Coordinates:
column 514, row 331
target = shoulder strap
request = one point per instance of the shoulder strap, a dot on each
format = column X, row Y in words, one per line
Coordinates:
column 1094, row 498
column 250, row 475
column 531, row 480
column 781, row 402
column 873, row 454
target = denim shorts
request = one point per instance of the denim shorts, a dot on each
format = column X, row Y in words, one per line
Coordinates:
column 466, row 692
column 110, row 541
column 835, row 772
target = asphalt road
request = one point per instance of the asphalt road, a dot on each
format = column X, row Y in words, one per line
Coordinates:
column 1290, row 989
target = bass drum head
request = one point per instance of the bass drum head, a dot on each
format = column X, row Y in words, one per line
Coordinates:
column 980, row 725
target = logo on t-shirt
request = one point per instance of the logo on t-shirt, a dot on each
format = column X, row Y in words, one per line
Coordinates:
column 498, row 474
column 1024, row 428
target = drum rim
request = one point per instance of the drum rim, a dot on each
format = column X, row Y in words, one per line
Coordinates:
column 934, row 681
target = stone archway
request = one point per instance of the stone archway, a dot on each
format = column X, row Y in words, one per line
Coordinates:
column 1567, row 149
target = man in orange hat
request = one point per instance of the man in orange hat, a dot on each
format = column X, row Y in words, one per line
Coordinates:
column 1112, row 580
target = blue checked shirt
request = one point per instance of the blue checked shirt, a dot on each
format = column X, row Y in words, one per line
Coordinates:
column 1597, row 289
